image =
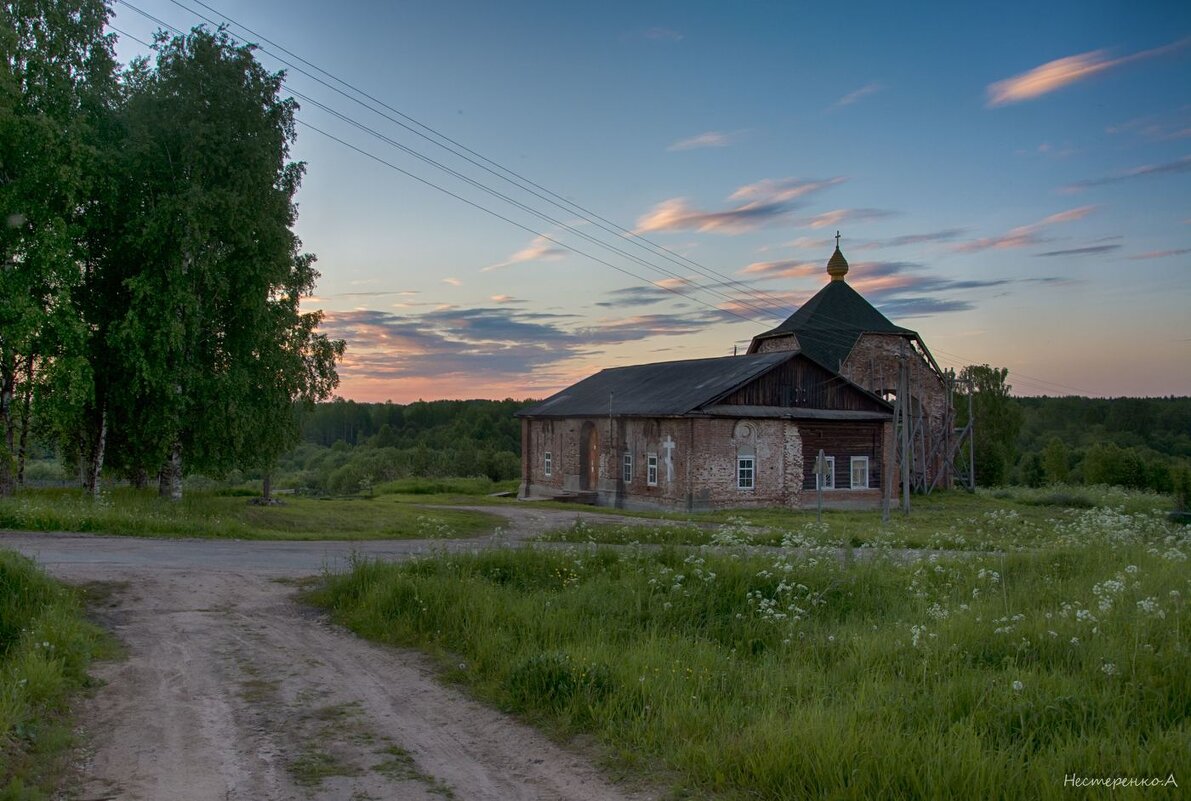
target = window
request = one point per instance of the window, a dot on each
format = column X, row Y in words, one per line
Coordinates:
column 628, row 468
column 829, row 479
column 548, row 464
column 859, row 472
column 746, row 468
column 651, row 469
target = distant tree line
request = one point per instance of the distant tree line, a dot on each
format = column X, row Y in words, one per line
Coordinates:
column 349, row 446
column 150, row 278
column 1137, row 443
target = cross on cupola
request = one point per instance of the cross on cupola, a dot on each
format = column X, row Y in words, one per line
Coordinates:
column 837, row 266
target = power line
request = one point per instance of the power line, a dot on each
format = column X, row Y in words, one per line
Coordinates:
column 523, row 183
column 513, row 201
column 511, row 221
column 837, row 338
column 767, row 312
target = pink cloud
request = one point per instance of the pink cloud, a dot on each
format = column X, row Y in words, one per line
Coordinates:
column 1054, row 75
column 540, row 249
column 757, row 204
column 862, row 92
column 1024, row 235
column 705, row 140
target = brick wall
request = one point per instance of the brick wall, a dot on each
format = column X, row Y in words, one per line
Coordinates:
column 702, row 470
column 873, row 364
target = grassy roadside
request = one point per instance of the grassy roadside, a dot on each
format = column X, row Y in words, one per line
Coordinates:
column 984, row 676
column 1004, row 519
column 129, row 512
column 45, row 647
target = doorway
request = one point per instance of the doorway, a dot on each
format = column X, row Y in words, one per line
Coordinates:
column 589, row 456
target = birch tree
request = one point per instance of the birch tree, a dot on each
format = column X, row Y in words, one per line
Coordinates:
column 214, row 350
column 56, row 72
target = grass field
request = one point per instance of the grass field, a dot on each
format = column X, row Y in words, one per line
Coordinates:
column 45, row 647
column 141, row 513
column 798, row 675
column 1003, row 519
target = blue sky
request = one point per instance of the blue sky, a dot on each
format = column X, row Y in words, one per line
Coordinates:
column 1013, row 183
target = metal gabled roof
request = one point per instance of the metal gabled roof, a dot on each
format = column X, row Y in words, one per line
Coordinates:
column 656, row 390
column 828, row 325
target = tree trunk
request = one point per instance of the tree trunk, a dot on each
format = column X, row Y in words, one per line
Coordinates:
column 169, row 481
column 26, row 410
column 8, row 378
column 267, row 487
column 140, row 478
column 94, row 455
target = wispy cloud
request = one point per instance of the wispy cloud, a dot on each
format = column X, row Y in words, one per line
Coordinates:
column 858, row 94
column 1090, row 250
column 656, row 34
column 783, row 268
column 1054, row 75
column 1160, row 254
column 838, row 216
column 1145, row 170
column 540, row 249
column 515, row 349
column 1025, row 235
column 707, row 139
column 757, row 204
column 945, row 235
column 452, row 281
column 1162, row 127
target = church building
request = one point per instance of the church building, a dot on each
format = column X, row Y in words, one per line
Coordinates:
column 741, row 431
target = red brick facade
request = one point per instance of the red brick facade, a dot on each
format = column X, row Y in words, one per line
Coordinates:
column 699, row 461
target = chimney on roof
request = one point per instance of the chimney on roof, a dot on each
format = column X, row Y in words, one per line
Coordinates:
column 837, row 266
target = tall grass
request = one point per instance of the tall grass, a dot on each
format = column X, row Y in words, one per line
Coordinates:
column 801, row 676
column 1013, row 519
column 45, row 647
column 141, row 513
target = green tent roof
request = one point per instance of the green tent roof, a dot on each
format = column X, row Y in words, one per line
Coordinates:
column 828, row 325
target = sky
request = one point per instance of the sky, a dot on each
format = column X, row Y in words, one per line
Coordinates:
column 634, row 182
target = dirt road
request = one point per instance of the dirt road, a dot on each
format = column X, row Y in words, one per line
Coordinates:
column 233, row 690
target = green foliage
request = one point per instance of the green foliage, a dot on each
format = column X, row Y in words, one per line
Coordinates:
column 130, row 512
column 350, row 446
column 1055, row 462
column 1181, row 486
column 188, row 338
column 998, row 421
column 56, row 73
column 45, row 647
column 1162, row 425
column 798, row 675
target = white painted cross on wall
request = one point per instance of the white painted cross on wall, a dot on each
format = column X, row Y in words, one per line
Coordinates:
column 668, row 447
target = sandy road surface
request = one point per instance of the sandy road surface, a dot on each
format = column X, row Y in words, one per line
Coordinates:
column 233, row 690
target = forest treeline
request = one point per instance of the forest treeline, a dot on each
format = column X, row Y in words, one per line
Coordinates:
column 1141, row 443
column 349, row 446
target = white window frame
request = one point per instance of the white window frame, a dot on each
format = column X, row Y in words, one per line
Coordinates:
column 829, row 484
column 852, row 465
column 548, row 464
column 651, row 469
column 751, row 469
column 626, row 468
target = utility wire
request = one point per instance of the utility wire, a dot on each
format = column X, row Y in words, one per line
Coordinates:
column 454, row 147
column 837, row 338
column 521, row 182
column 767, row 311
